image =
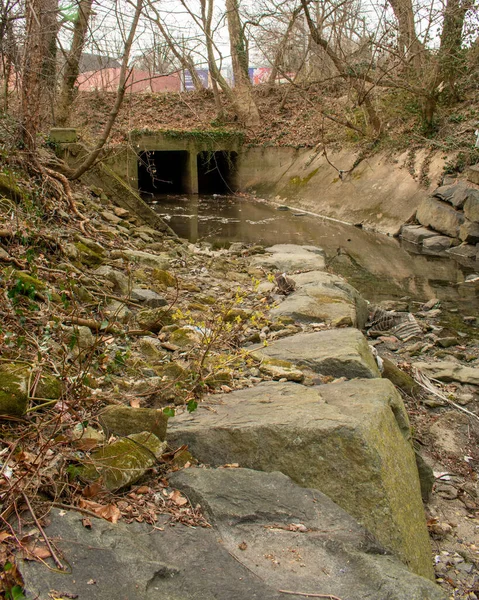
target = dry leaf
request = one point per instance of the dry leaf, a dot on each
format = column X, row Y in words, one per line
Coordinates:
column 34, row 551
column 109, row 512
column 135, row 403
column 143, row 489
column 4, row 536
column 177, row 498
column 86, row 522
column 92, row 490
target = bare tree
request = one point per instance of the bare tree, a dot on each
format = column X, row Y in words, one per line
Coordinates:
column 244, row 101
column 72, row 66
column 122, row 86
column 41, row 31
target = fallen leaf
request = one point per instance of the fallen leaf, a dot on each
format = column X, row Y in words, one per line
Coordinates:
column 135, row 403
column 86, row 522
column 109, row 512
column 143, row 489
column 34, row 551
column 92, row 490
column 4, row 536
column 177, row 498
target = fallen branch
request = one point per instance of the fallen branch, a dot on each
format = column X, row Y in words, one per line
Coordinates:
column 426, row 384
column 327, row 596
column 56, row 560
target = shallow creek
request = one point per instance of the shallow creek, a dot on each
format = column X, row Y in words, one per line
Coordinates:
column 377, row 265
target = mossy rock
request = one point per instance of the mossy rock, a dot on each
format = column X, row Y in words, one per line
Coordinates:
column 14, row 382
column 219, row 378
column 400, row 379
column 163, row 277
column 204, row 299
column 87, row 256
column 122, row 463
column 153, row 319
column 281, row 369
column 9, row 187
column 197, row 306
column 185, row 337
column 125, row 420
column 13, row 391
column 238, row 314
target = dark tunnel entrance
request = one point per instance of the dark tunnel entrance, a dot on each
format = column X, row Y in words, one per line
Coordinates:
column 163, row 172
column 216, row 172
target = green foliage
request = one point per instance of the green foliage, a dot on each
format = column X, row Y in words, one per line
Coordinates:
column 169, row 411
column 191, row 406
column 463, row 160
column 21, row 289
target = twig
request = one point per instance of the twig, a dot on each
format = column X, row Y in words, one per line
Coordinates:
column 44, row 535
column 328, row 596
column 84, row 511
column 425, row 383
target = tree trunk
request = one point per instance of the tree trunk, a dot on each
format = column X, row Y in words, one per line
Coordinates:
column 450, row 52
column 72, row 66
column 244, row 102
column 279, row 54
column 124, row 74
column 37, row 76
column 409, row 45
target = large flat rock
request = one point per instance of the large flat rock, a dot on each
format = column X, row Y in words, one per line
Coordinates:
column 324, row 298
column 440, row 216
column 335, row 352
column 267, row 535
column 289, row 257
column 350, row 440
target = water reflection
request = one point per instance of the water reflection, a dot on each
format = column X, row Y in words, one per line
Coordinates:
column 376, row 264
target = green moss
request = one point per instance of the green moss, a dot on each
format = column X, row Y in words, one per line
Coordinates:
column 10, row 188
column 88, row 256
column 164, row 278
column 296, row 180
column 13, row 391
column 29, row 281
column 122, row 463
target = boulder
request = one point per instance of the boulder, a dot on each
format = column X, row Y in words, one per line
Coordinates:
column 449, row 371
column 124, row 420
column 469, row 232
column 335, row 352
column 267, row 534
column 455, row 194
column 121, row 283
column 465, row 251
column 471, row 206
column 437, row 244
column 148, row 298
column 156, row 261
column 473, row 174
column 123, row 462
column 153, row 319
column 289, row 257
column 440, row 216
column 324, row 298
column 14, row 388
column 415, row 234
column 79, row 338
column 350, row 440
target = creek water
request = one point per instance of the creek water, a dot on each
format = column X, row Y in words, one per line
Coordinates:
column 377, row 265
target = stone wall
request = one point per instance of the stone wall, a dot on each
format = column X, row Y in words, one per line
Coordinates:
column 448, row 223
column 381, row 192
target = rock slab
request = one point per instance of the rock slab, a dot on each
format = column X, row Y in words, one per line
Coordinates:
column 267, row 534
column 440, row 216
column 324, row 298
column 350, row 440
column 290, row 257
column 335, row 352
